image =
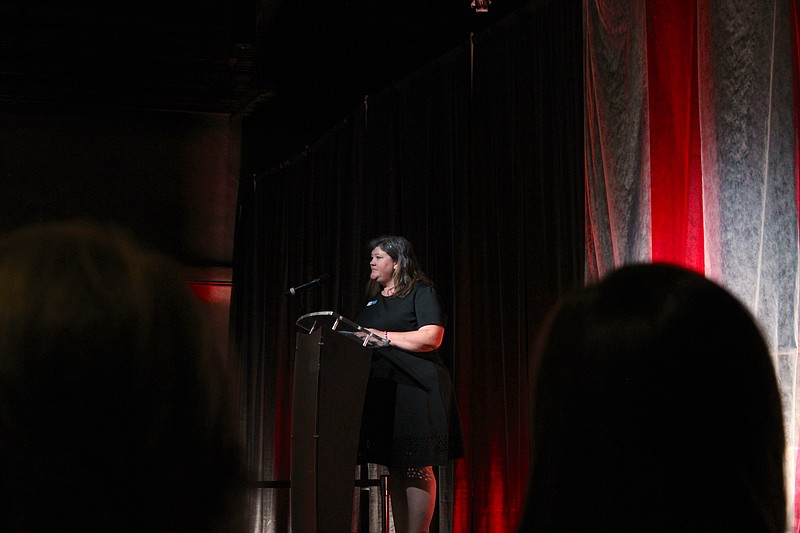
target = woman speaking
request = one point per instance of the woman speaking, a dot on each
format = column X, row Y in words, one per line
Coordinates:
column 410, row 420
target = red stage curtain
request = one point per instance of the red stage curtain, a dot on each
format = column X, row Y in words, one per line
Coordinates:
column 674, row 133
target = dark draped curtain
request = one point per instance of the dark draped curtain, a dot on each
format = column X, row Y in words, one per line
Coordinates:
column 478, row 159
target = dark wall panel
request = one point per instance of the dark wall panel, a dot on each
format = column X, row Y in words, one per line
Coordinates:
column 170, row 177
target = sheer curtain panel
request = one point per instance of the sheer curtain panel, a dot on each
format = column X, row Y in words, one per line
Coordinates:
column 691, row 150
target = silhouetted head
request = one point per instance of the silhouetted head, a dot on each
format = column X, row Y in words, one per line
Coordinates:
column 114, row 413
column 656, row 407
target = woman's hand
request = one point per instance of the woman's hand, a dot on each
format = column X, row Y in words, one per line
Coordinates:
column 425, row 339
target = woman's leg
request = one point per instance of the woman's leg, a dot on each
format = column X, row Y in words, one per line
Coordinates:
column 413, row 497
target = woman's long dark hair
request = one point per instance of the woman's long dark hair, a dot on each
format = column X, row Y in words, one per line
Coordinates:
column 408, row 271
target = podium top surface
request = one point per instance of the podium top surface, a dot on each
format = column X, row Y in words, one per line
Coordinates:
column 335, row 322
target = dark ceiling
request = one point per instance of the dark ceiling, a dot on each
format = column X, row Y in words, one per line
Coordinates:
column 302, row 63
column 171, row 55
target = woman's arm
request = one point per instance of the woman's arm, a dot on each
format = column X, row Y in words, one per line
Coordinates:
column 425, row 339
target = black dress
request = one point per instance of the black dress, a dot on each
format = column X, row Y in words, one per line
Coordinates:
column 410, row 415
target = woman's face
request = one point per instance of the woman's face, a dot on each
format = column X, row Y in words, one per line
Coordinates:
column 382, row 267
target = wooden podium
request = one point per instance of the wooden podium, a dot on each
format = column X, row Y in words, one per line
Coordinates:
column 333, row 357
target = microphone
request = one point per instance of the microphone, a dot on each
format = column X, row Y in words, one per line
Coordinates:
column 305, row 286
